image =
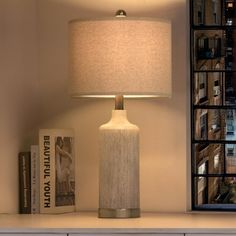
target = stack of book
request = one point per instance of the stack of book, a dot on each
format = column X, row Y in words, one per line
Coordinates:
column 47, row 174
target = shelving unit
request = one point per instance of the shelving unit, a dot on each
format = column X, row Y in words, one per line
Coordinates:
column 213, row 104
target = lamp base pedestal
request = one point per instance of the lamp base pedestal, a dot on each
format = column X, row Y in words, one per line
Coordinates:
column 118, row 213
column 119, row 168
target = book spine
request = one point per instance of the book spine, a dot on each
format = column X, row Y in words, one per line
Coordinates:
column 35, row 179
column 46, row 185
column 24, row 183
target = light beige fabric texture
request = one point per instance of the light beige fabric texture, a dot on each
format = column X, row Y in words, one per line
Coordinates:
column 120, row 56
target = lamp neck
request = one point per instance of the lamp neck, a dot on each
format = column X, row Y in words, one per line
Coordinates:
column 119, row 117
column 119, row 102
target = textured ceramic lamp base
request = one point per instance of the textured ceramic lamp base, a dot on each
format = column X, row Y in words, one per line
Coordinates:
column 119, row 168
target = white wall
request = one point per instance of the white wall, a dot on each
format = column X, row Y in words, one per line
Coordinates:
column 18, row 90
column 162, row 122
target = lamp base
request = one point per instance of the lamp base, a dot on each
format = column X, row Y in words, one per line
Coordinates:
column 119, row 168
column 118, row 213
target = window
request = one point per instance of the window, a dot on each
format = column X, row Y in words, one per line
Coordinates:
column 213, row 104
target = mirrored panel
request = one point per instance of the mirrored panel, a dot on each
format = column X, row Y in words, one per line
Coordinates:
column 215, row 192
column 214, row 12
column 209, row 158
column 230, row 157
column 213, row 97
column 229, row 13
column 215, row 124
column 214, row 88
column 208, row 88
column 207, row 12
column 230, row 88
column 209, row 51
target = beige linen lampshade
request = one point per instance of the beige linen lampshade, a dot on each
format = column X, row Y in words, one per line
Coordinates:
column 112, row 57
column 125, row 56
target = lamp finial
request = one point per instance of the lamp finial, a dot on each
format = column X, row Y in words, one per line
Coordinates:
column 121, row 13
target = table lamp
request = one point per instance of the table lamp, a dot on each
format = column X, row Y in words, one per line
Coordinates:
column 119, row 57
